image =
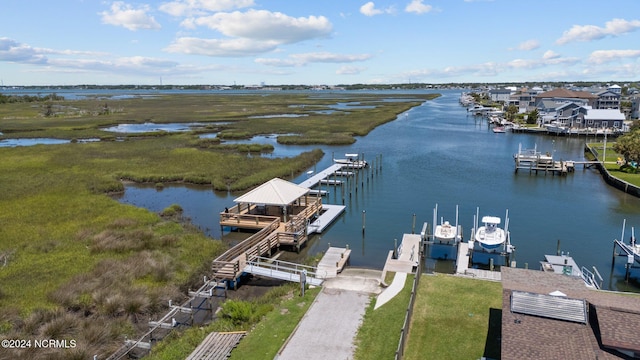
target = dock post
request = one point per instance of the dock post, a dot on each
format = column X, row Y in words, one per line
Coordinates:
column 364, row 219
column 413, row 225
column 395, row 248
column 491, row 264
column 558, row 248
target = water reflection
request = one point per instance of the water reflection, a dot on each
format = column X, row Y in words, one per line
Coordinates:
column 153, row 127
column 437, row 153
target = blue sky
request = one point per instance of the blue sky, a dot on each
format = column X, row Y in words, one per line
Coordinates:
column 248, row 42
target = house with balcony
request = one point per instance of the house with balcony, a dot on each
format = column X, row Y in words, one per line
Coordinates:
column 608, row 99
column 500, row 95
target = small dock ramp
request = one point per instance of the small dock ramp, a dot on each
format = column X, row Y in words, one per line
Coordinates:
column 333, row 261
column 217, row 346
column 331, row 212
column 284, row 270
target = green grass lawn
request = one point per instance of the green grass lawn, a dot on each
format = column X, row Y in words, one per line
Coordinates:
column 451, row 318
column 379, row 333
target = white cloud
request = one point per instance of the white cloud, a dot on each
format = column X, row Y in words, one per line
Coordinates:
column 250, row 33
column 529, row 45
column 267, row 25
column 369, row 9
column 125, row 15
column 550, row 54
column 416, row 6
column 605, row 56
column 181, row 8
column 221, row 47
column 350, row 70
column 614, row 27
column 317, row 57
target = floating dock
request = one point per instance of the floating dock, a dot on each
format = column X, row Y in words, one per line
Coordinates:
column 326, row 218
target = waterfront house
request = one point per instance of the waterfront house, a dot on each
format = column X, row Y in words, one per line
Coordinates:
column 500, row 95
column 604, row 118
column 608, row 99
column 554, row 316
column 561, row 96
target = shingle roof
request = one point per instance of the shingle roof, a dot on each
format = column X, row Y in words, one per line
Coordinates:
column 614, row 320
column 565, row 93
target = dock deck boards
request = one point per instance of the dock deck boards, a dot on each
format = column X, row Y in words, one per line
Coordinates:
column 408, row 255
column 333, row 261
column 332, row 212
column 315, row 179
column 216, row 346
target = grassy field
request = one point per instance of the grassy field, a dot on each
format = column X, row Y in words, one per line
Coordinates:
column 611, row 165
column 453, row 317
column 76, row 264
column 379, row 333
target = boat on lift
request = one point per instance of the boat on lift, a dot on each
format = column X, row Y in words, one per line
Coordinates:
column 444, row 232
column 490, row 236
column 351, row 161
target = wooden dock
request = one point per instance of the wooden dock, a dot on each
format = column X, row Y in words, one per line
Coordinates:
column 217, row 346
column 315, row 179
column 407, row 255
column 333, row 262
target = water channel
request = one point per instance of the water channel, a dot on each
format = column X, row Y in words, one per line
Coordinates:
column 438, row 153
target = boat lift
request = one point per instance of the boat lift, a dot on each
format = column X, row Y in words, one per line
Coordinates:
column 429, row 238
column 507, row 251
column 631, row 250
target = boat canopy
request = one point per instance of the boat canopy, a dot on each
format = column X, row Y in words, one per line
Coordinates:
column 351, row 155
column 491, row 220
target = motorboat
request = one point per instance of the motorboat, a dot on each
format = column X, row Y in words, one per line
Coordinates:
column 498, row 129
column 445, row 232
column 556, row 128
column 351, row 161
column 525, row 156
column 490, row 236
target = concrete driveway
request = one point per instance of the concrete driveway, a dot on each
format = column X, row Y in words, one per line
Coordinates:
column 328, row 329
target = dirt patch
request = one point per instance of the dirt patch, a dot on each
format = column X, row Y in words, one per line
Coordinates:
column 253, row 287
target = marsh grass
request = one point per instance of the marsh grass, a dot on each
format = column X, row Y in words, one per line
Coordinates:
column 76, row 252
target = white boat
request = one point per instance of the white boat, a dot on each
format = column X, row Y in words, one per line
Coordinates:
column 351, row 161
column 490, row 236
column 445, row 232
column 479, row 109
column 498, row 129
column 531, row 155
column 556, row 128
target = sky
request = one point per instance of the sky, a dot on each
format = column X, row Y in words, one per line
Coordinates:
column 317, row 42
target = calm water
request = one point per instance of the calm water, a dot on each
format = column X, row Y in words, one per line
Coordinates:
column 437, row 153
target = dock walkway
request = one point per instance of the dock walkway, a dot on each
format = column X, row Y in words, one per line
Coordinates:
column 333, row 261
column 315, row 179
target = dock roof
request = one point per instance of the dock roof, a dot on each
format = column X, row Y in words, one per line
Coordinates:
column 274, row 192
